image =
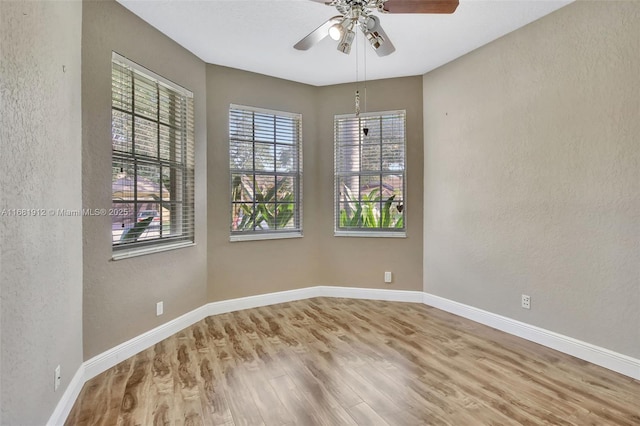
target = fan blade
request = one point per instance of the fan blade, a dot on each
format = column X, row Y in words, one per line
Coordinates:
column 318, row 34
column 420, row 6
column 377, row 37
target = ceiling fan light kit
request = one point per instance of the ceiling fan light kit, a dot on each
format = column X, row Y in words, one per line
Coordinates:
column 345, row 42
column 359, row 13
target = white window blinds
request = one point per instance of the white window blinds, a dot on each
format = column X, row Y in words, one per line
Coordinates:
column 152, row 159
column 265, row 162
column 370, row 174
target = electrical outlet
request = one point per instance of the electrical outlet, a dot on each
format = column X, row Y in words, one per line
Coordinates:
column 159, row 308
column 526, row 301
column 57, row 378
column 387, row 277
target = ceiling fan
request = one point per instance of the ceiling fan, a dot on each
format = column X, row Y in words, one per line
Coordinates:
column 359, row 13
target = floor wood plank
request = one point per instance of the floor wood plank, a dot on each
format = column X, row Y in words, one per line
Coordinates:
column 331, row 361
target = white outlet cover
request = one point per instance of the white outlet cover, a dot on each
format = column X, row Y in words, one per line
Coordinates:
column 159, row 308
column 387, row 277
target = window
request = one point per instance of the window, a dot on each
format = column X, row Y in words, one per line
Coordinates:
column 152, row 137
column 370, row 174
column 265, row 161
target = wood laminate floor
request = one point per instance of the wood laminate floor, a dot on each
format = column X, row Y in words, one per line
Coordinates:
column 328, row 361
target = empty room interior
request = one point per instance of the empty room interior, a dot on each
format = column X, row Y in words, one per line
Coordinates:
column 423, row 213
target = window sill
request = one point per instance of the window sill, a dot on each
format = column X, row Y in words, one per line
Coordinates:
column 370, row 234
column 125, row 254
column 268, row 236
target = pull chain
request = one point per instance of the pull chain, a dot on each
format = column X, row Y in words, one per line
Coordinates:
column 365, row 78
column 357, row 91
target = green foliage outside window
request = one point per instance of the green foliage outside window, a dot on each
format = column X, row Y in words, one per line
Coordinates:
column 273, row 208
column 371, row 211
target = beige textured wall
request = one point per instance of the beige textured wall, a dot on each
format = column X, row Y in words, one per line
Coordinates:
column 532, row 175
column 238, row 269
column 361, row 262
column 40, row 168
column 120, row 296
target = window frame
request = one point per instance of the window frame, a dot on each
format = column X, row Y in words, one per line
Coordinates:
column 362, row 231
column 297, row 175
column 182, row 207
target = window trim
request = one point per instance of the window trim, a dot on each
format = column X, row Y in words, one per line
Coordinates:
column 265, row 236
column 369, row 232
column 271, row 234
column 150, row 249
column 186, row 239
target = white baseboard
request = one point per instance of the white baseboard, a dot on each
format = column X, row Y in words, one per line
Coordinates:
column 231, row 305
column 68, row 398
column 102, row 362
column 606, row 358
column 113, row 356
column 372, row 294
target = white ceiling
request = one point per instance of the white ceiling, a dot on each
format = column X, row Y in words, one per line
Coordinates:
column 258, row 35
